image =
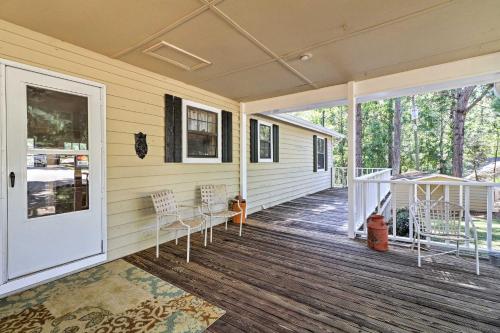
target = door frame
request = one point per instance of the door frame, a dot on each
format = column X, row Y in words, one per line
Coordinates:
column 11, row 286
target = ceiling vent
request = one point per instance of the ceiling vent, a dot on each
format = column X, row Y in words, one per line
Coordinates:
column 176, row 56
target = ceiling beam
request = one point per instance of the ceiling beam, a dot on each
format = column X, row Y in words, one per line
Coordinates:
column 476, row 70
column 258, row 43
column 164, row 30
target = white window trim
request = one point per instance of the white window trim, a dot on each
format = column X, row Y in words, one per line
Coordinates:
column 185, row 158
column 317, row 151
column 265, row 160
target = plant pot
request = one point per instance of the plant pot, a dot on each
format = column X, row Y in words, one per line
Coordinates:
column 378, row 237
column 239, row 218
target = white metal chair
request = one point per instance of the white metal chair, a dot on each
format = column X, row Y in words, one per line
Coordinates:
column 168, row 217
column 443, row 221
column 215, row 203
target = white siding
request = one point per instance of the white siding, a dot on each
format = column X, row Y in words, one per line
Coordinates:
column 270, row 184
column 135, row 103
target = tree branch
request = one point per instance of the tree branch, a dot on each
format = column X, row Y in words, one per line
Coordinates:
column 479, row 98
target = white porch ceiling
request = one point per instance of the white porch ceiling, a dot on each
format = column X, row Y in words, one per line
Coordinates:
column 253, row 47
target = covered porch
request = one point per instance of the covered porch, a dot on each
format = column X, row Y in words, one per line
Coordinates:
column 295, row 270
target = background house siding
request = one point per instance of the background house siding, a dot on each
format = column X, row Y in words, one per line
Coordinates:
column 135, row 103
column 270, row 184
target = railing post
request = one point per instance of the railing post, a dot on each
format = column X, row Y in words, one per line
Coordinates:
column 489, row 217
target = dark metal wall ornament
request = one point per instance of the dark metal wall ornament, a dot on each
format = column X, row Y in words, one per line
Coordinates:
column 141, row 146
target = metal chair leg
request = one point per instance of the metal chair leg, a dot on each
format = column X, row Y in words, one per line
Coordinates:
column 418, row 251
column 205, row 238
column 458, row 249
column 210, row 229
column 176, row 239
column 226, row 222
column 157, row 240
column 477, row 257
column 188, row 243
column 241, row 222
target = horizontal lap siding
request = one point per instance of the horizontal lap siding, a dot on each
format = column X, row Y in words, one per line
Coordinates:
column 135, row 103
column 477, row 195
column 270, row 184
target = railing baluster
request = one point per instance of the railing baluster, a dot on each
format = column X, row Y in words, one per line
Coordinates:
column 394, row 212
column 447, row 213
column 489, row 217
column 378, row 199
column 363, row 207
column 467, row 211
column 427, row 210
column 411, row 193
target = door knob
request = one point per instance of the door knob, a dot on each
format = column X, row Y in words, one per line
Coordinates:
column 12, row 179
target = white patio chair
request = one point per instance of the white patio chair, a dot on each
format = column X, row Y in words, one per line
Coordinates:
column 215, row 203
column 444, row 221
column 168, row 217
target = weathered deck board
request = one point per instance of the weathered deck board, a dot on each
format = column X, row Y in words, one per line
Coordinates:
column 294, row 270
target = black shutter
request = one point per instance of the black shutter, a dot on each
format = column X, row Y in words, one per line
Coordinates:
column 254, row 154
column 326, row 154
column 315, row 153
column 173, row 129
column 276, row 143
column 227, row 137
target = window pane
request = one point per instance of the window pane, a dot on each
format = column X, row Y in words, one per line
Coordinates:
column 192, row 125
column 265, row 132
column 57, row 184
column 202, row 133
column 202, row 145
column 321, row 145
column 265, row 149
column 321, row 161
column 56, row 120
column 193, row 113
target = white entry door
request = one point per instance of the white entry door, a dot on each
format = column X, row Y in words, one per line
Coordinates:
column 53, row 171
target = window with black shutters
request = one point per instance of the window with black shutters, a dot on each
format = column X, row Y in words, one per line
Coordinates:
column 321, row 153
column 202, row 132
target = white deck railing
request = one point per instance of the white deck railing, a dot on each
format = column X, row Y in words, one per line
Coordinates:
column 475, row 197
column 339, row 174
column 373, row 193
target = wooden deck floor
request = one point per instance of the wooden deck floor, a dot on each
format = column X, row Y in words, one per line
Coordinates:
column 294, row 270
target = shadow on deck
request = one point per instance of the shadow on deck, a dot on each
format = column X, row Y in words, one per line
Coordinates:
column 294, row 270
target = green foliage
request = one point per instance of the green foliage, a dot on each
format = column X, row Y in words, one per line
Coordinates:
column 434, row 130
column 402, row 223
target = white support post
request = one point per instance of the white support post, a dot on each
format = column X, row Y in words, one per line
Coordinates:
column 351, row 157
column 243, row 153
column 489, row 217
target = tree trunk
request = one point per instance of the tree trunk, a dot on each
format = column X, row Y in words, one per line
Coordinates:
column 396, row 140
column 359, row 136
column 461, row 107
column 415, row 134
column 442, row 162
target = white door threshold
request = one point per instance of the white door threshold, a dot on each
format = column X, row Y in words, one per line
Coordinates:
column 29, row 281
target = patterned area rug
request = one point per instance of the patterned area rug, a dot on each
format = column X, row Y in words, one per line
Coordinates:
column 114, row 297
